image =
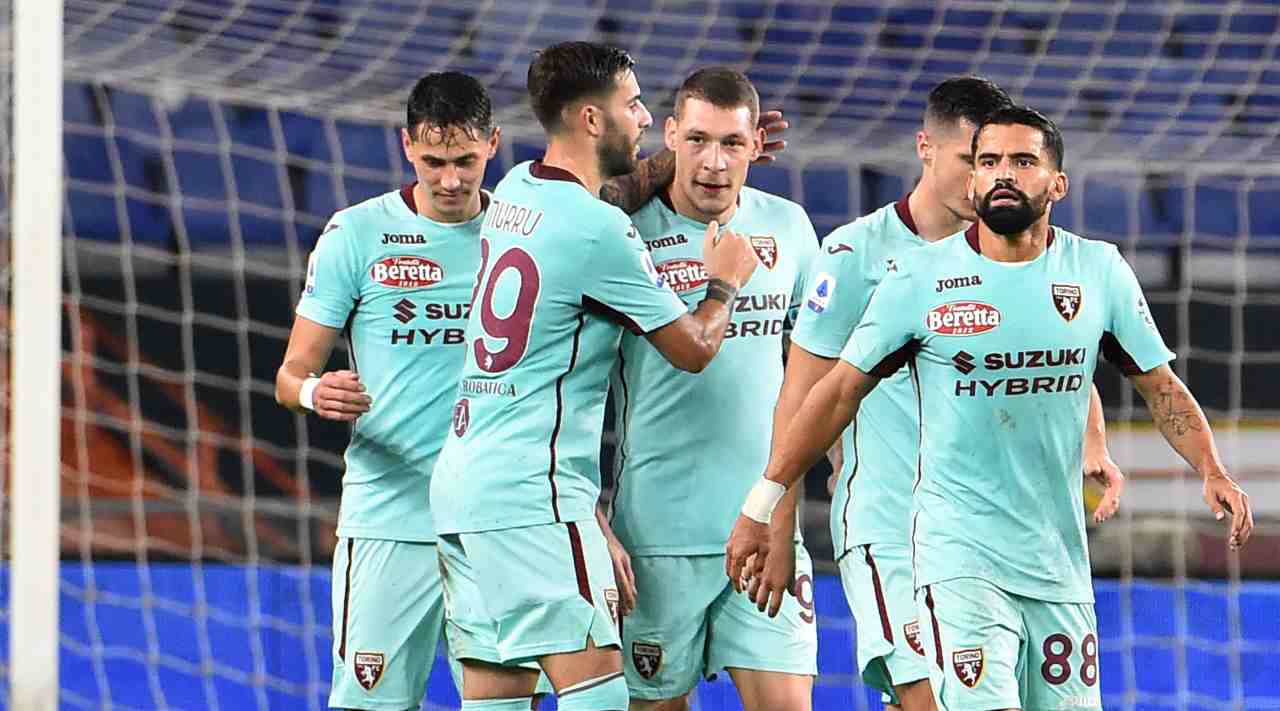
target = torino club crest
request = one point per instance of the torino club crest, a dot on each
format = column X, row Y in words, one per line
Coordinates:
column 368, row 668
column 1067, row 299
column 968, row 666
column 647, row 657
column 766, row 248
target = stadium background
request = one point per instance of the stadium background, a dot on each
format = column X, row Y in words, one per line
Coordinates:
column 207, row 141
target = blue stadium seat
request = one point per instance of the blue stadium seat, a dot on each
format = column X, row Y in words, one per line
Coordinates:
column 258, row 181
column 1264, row 212
column 248, row 126
column 305, row 136
column 1215, row 207
column 771, row 178
column 826, row 192
column 366, row 145
column 1106, row 207
column 86, row 157
column 80, row 104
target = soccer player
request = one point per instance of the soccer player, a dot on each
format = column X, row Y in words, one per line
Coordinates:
column 1001, row 326
column 681, row 475
column 515, row 489
column 396, row 274
column 872, row 496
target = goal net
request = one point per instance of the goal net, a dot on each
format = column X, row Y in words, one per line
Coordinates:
column 206, row 142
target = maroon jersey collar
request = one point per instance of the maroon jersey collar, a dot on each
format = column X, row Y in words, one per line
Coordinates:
column 971, row 236
column 550, row 172
column 903, row 207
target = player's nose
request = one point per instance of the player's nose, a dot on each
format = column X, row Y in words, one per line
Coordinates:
column 449, row 179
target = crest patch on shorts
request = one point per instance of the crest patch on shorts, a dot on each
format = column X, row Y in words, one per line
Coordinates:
column 369, row 667
column 611, row 599
column 968, row 666
column 911, row 631
column 647, row 658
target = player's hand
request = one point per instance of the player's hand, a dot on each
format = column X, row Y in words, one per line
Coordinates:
column 1224, row 497
column 728, row 255
column 778, row 579
column 1099, row 467
column 623, row 575
column 836, row 456
column 774, row 126
column 341, row 396
column 749, row 538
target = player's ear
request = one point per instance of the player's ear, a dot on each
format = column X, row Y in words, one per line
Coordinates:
column 757, row 145
column 970, row 184
column 924, row 150
column 406, row 141
column 669, row 132
column 591, row 118
column 494, row 139
column 1058, row 190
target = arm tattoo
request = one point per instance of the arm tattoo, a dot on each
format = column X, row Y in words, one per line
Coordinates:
column 631, row 191
column 1175, row 413
column 720, row 290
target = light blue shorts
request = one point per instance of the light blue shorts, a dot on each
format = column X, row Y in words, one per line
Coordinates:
column 877, row 582
column 517, row 594
column 689, row 623
column 991, row 649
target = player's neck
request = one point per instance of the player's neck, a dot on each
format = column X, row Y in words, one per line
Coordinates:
column 933, row 220
column 1021, row 247
column 577, row 159
column 422, row 205
column 685, row 208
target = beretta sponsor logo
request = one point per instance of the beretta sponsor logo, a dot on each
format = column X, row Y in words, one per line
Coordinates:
column 406, row 272
column 962, row 318
column 683, row 274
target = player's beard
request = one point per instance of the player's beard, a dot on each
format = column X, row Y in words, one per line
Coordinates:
column 616, row 152
column 1011, row 219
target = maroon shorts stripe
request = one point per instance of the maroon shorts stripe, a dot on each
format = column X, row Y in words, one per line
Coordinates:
column 555, row 432
column 579, row 561
column 933, row 619
column 884, row 610
column 848, row 486
column 346, row 602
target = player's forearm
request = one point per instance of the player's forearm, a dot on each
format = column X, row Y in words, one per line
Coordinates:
column 631, row 191
column 696, row 338
column 1179, row 418
column 289, row 380
column 1095, row 429
column 828, row 408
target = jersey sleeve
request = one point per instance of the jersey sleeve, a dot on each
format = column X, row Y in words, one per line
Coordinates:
column 837, row 290
column 807, row 249
column 623, row 283
column 331, row 289
column 1131, row 342
column 888, row 333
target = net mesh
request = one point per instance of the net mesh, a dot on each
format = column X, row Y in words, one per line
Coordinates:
column 207, row 142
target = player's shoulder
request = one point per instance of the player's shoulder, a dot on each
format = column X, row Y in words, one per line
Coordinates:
column 349, row 223
column 1091, row 249
column 771, row 204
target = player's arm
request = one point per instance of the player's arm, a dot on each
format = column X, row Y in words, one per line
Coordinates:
column 825, row 412
column 692, row 340
column 1098, row 464
column 336, row 395
column 631, row 191
column 1184, row 426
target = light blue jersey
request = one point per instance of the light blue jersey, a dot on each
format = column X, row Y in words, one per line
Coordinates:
column 399, row 285
column 1003, row 356
column 681, row 472
column 562, row 273
column 872, row 499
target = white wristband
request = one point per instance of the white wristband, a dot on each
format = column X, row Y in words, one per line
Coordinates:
column 762, row 500
column 306, row 395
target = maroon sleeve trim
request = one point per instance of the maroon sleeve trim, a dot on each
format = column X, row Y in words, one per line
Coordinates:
column 1117, row 355
column 604, row 310
column 893, row 362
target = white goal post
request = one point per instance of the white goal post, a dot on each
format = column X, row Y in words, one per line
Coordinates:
column 36, row 353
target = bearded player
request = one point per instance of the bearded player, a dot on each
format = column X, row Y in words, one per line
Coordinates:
column 1001, row 327
column 871, row 499
column 528, row 571
column 396, row 274
column 681, row 476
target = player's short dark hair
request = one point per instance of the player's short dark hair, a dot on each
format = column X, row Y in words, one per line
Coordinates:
column 723, row 88
column 449, row 99
column 1026, row 116
column 571, row 71
column 970, row 98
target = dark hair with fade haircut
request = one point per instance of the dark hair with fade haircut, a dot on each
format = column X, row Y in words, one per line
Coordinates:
column 970, row 98
column 444, row 99
column 723, row 88
column 571, row 71
column 1025, row 116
